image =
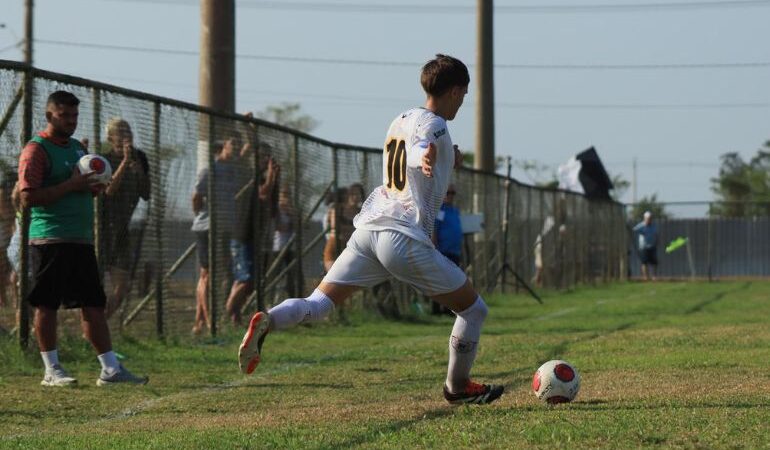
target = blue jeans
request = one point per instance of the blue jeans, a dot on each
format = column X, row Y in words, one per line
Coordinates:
column 243, row 260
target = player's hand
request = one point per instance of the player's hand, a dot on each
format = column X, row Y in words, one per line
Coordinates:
column 428, row 160
column 82, row 181
column 458, row 157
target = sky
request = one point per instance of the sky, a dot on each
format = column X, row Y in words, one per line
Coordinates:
column 675, row 121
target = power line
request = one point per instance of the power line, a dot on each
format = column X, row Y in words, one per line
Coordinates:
column 462, row 9
column 12, row 46
column 338, row 99
column 363, row 62
column 634, row 106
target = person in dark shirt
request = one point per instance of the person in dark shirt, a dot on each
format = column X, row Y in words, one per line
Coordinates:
column 241, row 244
column 130, row 182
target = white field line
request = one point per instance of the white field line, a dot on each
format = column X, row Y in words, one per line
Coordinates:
column 565, row 311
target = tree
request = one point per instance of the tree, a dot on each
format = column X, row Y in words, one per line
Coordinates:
column 621, row 185
column 651, row 204
column 539, row 174
column 743, row 187
column 289, row 115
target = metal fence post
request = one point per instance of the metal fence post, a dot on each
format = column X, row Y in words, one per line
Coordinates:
column 211, row 205
column 259, row 239
column 23, row 311
column 709, row 231
column 506, row 217
column 158, row 223
column 99, row 199
column 298, row 241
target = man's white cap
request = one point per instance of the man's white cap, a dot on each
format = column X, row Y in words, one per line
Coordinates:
column 647, row 214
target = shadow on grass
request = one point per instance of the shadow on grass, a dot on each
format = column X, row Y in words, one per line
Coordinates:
column 558, row 350
column 605, row 405
column 346, row 386
column 378, row 432
column 15, row 413
column 717, row 297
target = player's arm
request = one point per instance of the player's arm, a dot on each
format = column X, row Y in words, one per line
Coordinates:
column 33, row 164
column 430, row 140
column 201, row 188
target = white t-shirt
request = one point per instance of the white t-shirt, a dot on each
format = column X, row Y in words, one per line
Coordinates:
column 408, row 201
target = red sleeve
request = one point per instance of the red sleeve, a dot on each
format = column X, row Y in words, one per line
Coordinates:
column 33, row 164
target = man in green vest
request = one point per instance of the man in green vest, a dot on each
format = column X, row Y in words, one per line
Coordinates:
column 61, row 238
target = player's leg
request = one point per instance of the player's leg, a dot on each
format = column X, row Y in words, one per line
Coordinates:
column 432, row 273
column 355, row 268
column 471, row 312
column 287, row 314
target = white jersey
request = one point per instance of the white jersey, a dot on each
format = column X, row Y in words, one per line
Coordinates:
column 408, row 201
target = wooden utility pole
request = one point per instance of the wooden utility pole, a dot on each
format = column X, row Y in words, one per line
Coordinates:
column 217, row 63
column 28, row 30
column 485, row 105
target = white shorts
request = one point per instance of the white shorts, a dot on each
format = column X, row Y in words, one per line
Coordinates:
column 372, row 257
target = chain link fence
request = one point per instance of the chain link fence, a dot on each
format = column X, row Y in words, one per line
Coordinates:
column 279, row 193
column 721, row 240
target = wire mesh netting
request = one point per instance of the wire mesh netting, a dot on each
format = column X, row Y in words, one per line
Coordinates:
column 211, row 216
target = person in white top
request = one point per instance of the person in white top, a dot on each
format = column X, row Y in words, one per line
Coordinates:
column 393, row 236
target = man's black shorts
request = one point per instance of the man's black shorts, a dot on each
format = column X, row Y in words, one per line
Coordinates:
column 66, row 275
column 649, row 256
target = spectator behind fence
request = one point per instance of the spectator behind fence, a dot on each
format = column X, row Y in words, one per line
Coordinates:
column 61, row 234
column 647, row 235
column 285, row 220
column 242, row 243
column 130, row 182
column 448, row 236
column 347, row 204
column 7, row 218
column 225, row 189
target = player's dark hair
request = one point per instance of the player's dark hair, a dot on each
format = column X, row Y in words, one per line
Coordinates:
column 62, row 98
column 443, row 73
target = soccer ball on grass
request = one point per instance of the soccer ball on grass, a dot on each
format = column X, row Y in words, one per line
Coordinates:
column 556, row 382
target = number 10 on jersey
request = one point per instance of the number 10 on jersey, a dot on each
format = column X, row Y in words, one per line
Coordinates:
column 396, row 150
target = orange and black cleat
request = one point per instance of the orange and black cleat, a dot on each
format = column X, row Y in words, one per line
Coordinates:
column 251, row 347
column 475, row 393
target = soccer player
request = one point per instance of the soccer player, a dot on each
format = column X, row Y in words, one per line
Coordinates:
column 393, row 236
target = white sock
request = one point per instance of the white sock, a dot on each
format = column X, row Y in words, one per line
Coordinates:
column 293, row 311
column 109, row 362
column 463, row 343
column 50, row 359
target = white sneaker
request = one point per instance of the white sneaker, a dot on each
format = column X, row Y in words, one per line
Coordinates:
column 57, row 376
column 121, row 376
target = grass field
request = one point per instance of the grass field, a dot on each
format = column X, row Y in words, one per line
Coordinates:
column 663, row 365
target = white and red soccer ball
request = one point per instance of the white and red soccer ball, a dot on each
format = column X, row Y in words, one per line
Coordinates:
column 556, row 382
column 98, row 165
